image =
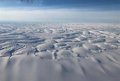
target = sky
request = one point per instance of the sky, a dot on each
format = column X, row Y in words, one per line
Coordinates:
column 60, row 11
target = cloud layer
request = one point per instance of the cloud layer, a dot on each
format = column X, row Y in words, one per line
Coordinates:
column 61, row 15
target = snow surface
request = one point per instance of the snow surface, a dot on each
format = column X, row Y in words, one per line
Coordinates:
column 60, row 52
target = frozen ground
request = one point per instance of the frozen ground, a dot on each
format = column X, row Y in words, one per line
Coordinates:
column 59, row 52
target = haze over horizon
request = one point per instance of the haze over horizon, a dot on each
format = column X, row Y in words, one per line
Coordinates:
column 60, row 10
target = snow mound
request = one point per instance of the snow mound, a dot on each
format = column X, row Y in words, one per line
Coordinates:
column 44, row 47
column 44, row 55
column 64, row 54
column 80, row 51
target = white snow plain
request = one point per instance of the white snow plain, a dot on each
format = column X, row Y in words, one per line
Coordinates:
column 60, row 52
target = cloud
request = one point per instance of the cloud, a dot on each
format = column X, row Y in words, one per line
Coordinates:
column 59, row 15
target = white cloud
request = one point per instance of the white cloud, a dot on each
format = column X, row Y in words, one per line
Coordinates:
column 53, row 15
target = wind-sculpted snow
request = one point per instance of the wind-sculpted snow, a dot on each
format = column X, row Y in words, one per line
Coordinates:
column 59, row 52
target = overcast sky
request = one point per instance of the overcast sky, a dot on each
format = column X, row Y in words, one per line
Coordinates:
column 60, row 10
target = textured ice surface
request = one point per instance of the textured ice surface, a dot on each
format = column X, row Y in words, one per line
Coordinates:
column 59, row 52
